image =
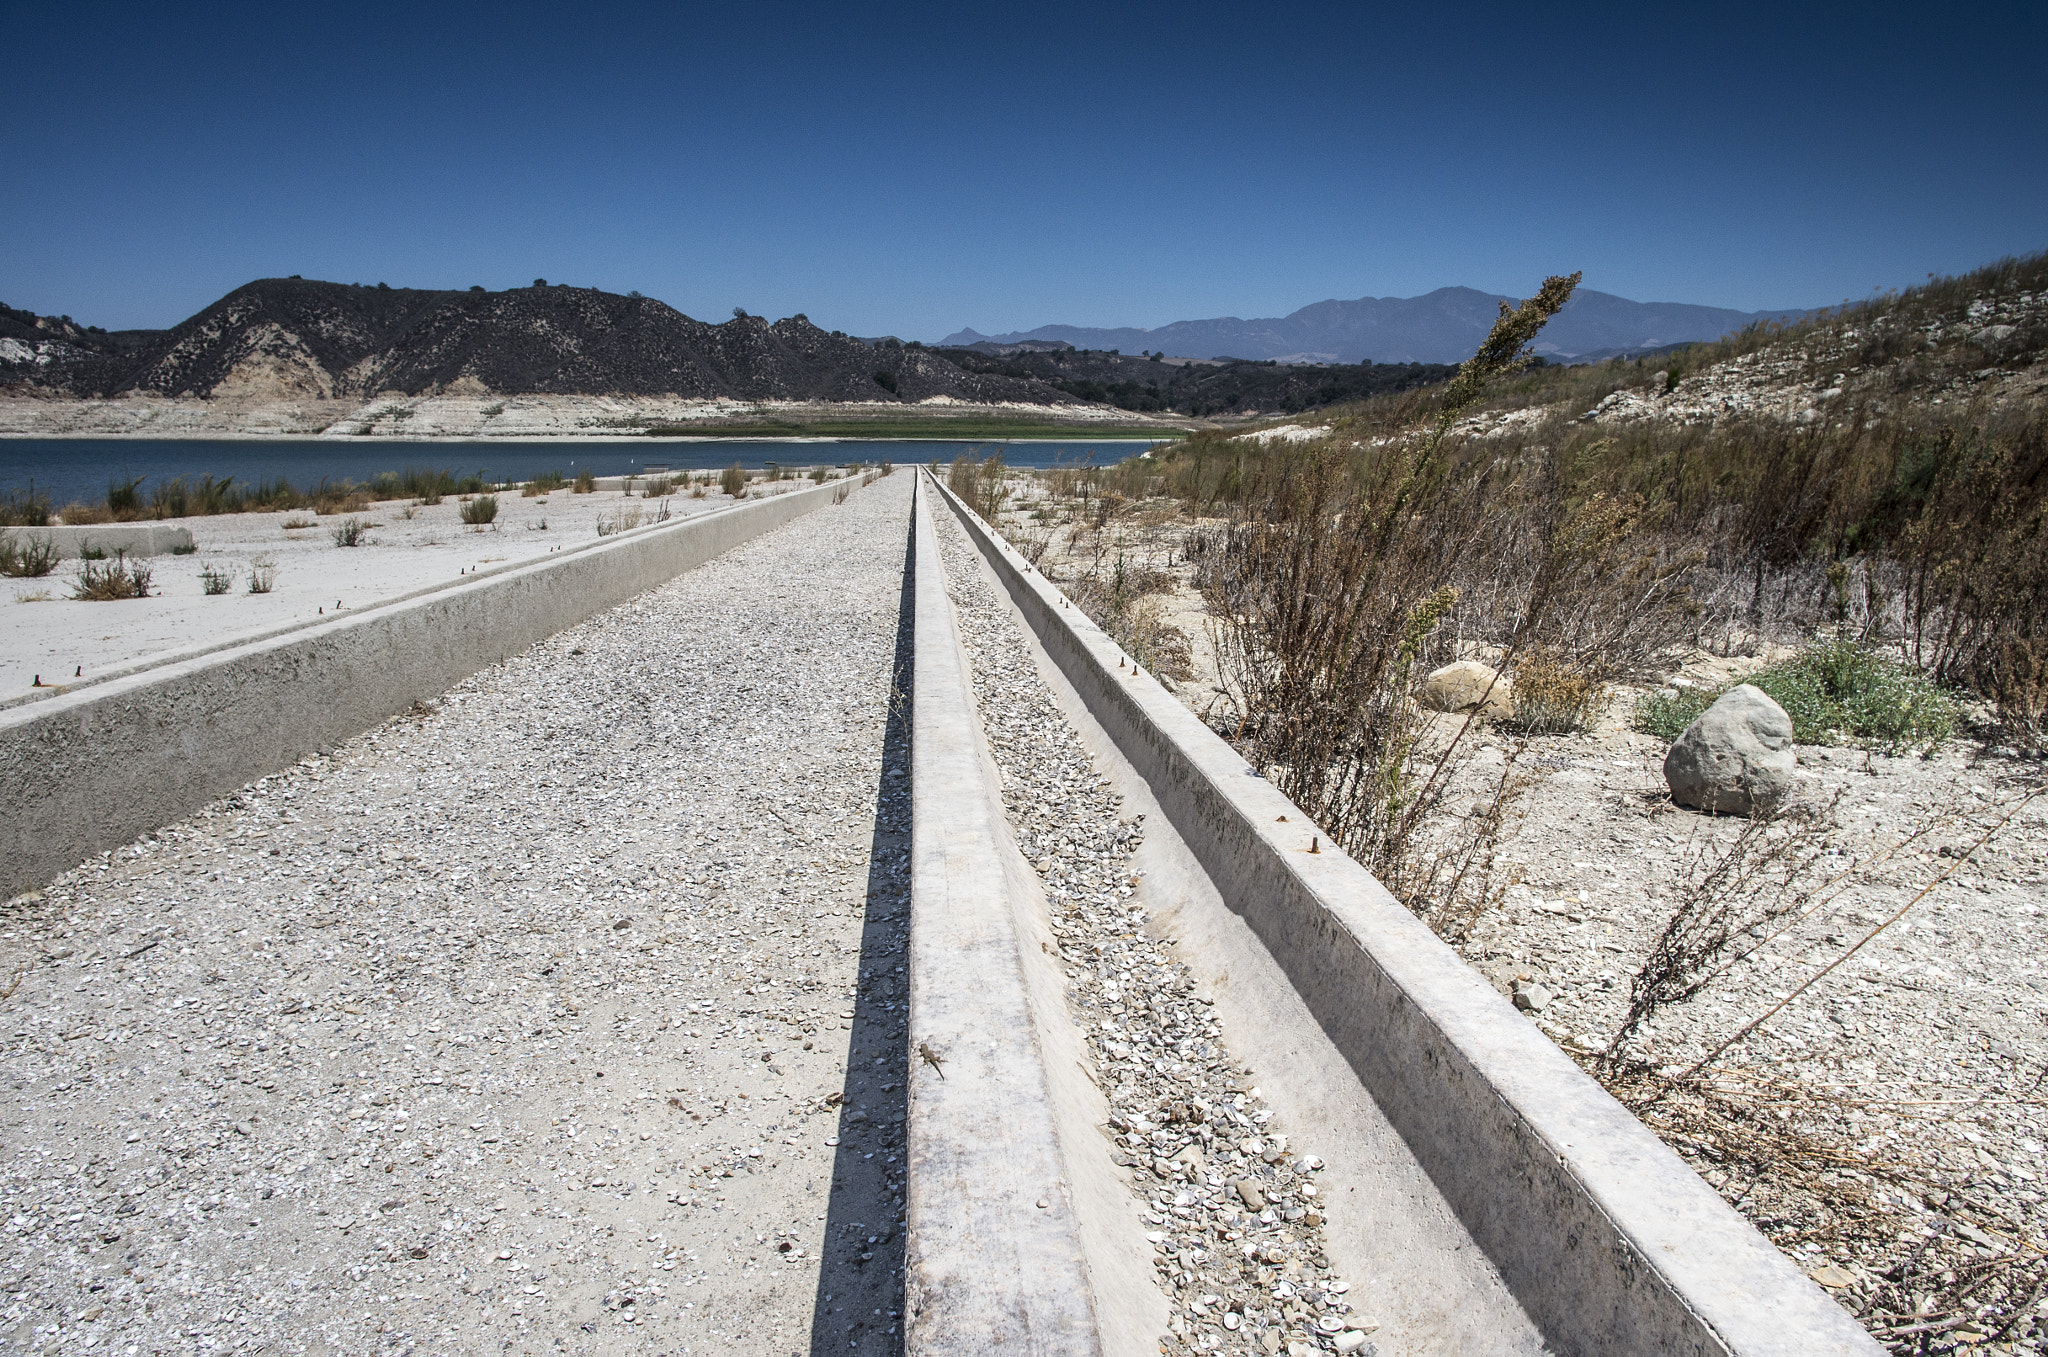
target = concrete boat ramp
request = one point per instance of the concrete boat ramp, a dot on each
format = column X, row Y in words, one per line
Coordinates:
column 1143, row 1074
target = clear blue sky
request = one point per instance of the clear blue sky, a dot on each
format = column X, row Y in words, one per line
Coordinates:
column 913, row 169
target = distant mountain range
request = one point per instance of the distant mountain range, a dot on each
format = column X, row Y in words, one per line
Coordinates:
column 297, row 339
column 1444, row 326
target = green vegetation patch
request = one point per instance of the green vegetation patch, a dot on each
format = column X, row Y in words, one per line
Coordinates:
column 1836, row 691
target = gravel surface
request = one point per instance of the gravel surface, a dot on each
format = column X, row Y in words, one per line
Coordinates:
column 565, row 1016
column 1236, row 1225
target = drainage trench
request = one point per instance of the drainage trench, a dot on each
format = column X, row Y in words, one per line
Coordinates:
column 1285, row 1117
column 1236, row 1191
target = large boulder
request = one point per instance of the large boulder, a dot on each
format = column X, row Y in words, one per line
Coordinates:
column 1466, row 687
column 1737, row 758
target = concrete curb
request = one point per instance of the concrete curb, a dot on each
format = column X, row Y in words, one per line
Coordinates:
column 993, row 1257
column 89, row 770
column 1603, row 1234
column 123, row 539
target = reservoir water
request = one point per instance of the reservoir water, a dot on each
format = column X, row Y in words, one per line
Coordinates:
column 62, row 470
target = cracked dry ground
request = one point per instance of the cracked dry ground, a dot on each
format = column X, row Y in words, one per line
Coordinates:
column 565, row 1017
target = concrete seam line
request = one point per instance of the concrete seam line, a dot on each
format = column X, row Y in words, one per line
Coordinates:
column 993, row 1259
column 1601, row 1231
column 89, row 770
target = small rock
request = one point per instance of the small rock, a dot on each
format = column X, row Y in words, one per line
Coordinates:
column 1250, row 1194
column 1832, row 1277
column 1468, row 686
column 1531, row 997
column 1736, row 758
column 1351, row 1340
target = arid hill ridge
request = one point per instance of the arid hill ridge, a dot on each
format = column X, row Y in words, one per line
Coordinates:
column 293, row 338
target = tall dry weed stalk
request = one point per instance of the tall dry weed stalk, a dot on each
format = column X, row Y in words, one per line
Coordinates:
column 1331, row 582
column 982, row 484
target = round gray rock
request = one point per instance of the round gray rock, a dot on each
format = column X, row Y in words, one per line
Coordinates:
column 1736, row 758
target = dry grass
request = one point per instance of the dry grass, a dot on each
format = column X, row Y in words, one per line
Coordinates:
column 27, row 555
column 1937, row 1259
column 1920, row 525
column 1775, row 866
column 1347, row 571
column 1936, row 1265
column 107, row 581
column 984, row 485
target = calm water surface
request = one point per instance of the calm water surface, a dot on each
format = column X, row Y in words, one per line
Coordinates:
column 67, row 469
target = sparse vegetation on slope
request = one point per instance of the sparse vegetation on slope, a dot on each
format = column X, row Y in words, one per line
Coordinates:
column 1789, row 480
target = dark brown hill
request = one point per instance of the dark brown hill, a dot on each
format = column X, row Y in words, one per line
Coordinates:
column 295, row 338
column 1222, row 387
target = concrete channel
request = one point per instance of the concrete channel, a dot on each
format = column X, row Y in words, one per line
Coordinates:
column 1488, row 1195
column 89, row 768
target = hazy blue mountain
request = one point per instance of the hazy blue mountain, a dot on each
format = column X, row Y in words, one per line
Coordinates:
column 1443, row 326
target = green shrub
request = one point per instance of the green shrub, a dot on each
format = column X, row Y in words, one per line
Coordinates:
column 412, row 483
column 215, row 580
column 480, row 510
column 1836, row 692
column 349, row 532
column 122, row 499
column 1667, row 714
column 733, row 481
column 586, row 482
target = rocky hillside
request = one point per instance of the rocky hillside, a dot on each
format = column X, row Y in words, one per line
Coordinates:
column 1975, row 341
column 1986, row 340
column 295, row 339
